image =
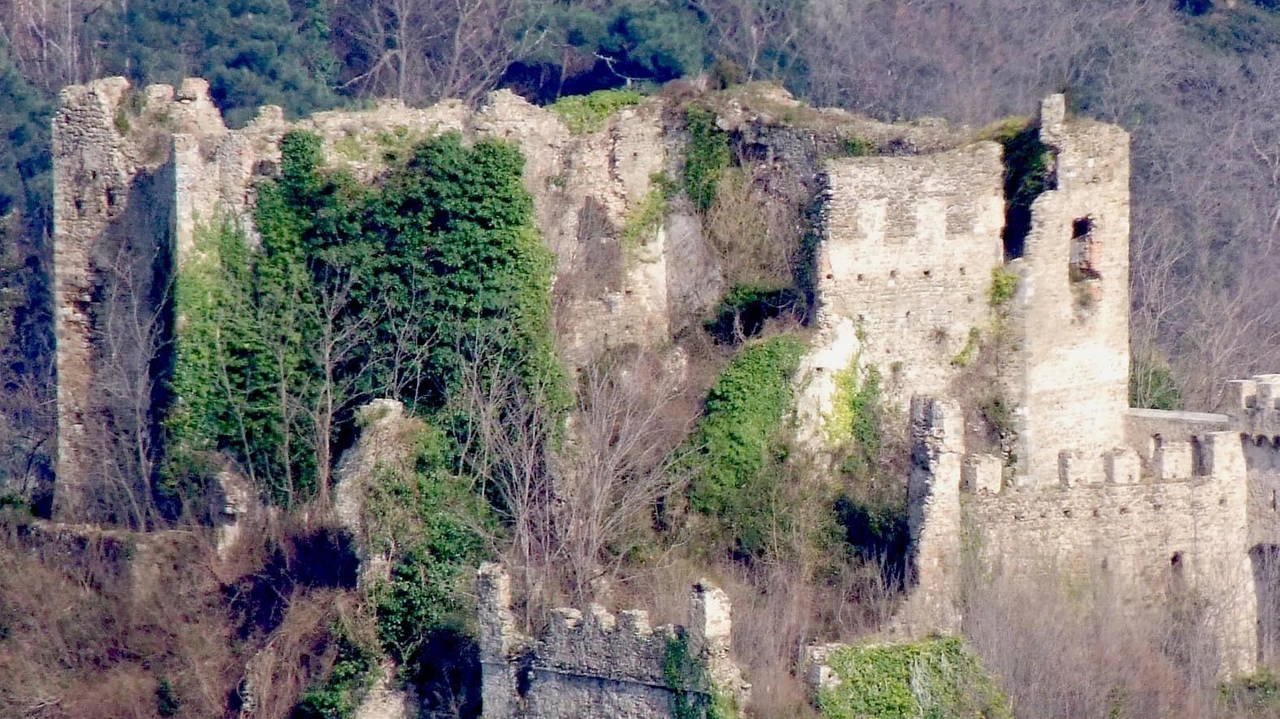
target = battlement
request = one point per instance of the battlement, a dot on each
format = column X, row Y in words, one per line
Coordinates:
column 1254, row 404
column 1114, row 513
column 597, row 663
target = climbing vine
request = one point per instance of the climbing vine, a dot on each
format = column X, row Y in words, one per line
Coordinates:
column 706, row 157
column 357, row 291
column 931, row 678
column 693, row 694
column 738, row 439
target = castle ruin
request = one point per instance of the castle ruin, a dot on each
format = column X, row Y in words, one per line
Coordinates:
column 601, row 665
column 911, row 241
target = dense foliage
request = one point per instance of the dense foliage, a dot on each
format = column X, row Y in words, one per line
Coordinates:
column 930, row 679
column 737, row 440
column 433, row 525
column 358, row 292
column 252, row 52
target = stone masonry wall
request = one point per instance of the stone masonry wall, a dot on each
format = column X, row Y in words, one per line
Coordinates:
column 1179, row 529
column 112, row 213
column 1072, row 325
column 596, row 664
column 905, row 263
column 147, row 169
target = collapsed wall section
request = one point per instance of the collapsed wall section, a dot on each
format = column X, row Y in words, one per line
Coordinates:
column 601, row 665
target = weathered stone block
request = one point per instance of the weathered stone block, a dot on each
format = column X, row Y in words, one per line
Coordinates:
column 1122, row 465
column 982, row 473
column 1172, row 461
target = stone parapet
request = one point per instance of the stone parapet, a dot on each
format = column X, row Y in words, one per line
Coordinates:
column 595, row 663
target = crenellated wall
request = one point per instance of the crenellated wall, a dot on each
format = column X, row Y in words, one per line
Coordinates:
column 1184, row 524
column 596, row 664
column 908, row 246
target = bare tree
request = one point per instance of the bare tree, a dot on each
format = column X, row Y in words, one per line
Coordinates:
column 575, row 496
column 424, row 50
column 617, row 464
column 129, row 338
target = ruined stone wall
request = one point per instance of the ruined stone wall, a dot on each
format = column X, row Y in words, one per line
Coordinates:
column 1072, row 306
column 145, row 170
column 113, row 210
column 597, row 664
column 1253, row 406
column 908, row 247
column 1180, row 529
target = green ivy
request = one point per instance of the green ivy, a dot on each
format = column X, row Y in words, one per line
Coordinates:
column 438, row 258
column 856, row 416
column 932, row 679
column 350, row 678
column 646, row 218
column 433, row 525
column 738, row 439
column 589, row 113
column 706, row 157
column 693, row 696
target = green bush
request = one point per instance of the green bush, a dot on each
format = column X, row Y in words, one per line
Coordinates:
column 400, row 280
column 351, row 676
column 588, row 113
column 857, row 147
column 1255, row 695
column 932, row 679
column 433, row 525
column 706, row 156
column 737, row 444
column 1004, row 285
column 167, row 702
column 1151, row 385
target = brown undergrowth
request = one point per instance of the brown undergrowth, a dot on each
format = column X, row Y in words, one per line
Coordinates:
column 119, row 625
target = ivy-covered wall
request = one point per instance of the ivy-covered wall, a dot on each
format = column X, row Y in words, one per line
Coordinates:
column 358, row 291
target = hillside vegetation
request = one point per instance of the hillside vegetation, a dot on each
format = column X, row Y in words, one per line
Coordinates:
column 618, row 483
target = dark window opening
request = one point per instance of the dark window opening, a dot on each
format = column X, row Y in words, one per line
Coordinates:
column 1084, row 251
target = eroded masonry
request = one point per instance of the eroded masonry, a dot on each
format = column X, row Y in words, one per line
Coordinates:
column 919, row 274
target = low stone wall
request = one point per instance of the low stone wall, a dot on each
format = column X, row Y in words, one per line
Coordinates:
column 596, row 664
